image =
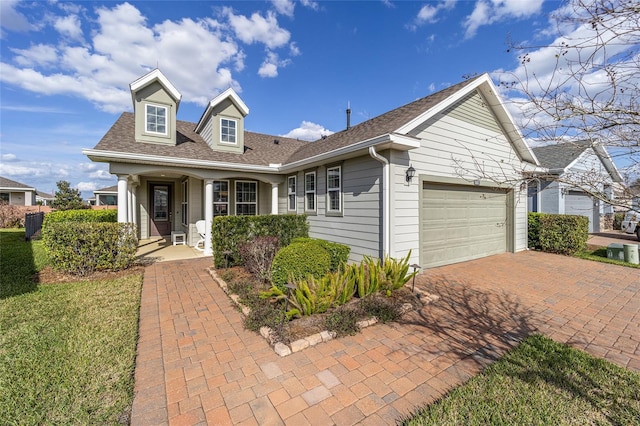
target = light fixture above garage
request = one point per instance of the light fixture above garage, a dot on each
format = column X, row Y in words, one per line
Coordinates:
column 411, row 172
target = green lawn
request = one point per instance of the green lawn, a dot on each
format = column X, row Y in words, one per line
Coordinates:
column 600, row 255
column 541, row 382
column 67, row 351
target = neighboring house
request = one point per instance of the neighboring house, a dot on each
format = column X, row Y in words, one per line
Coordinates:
column 44, row 199
column 387, row 186
column 16, row 193
column 106, row 196
column 574, row 170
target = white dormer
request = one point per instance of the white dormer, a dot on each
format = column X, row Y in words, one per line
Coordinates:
column 222, row 123
column 155, row 105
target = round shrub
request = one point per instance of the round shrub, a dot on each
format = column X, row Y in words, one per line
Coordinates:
column 297, row 261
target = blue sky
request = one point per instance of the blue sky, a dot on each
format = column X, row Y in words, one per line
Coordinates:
column 66, row 66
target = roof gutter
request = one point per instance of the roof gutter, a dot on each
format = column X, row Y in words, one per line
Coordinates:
column 385, row 200
column 161, row 160
column 389, row 140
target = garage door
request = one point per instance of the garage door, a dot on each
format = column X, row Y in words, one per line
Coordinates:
column 581, row 204
column 459, row 223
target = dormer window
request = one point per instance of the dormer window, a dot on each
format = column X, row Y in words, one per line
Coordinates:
column 156, row 119
column 228, row 132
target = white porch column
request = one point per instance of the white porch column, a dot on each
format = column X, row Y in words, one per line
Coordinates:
column 208, row 216
column 122, row 198
column 134, row 204
column 130, row 202
column 274, row 198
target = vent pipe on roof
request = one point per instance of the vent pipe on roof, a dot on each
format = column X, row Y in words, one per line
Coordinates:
column 348, row 115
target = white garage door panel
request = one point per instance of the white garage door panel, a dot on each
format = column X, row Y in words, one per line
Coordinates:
column 579, row 203
column 460, row 223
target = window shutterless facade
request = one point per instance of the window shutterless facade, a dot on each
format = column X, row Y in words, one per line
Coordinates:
column 310, row 191
column 228, row 131
column 334, row 189
column 156, row 119
column 246, row 198
column 184, row 205
column 220, row 198
column 291, row 193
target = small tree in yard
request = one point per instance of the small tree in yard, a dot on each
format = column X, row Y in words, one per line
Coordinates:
column 67, row 198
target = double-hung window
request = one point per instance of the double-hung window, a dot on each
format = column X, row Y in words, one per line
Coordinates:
column 228, row 131
column 246, row 198
column 184, row 205
column 334, row 189
column 220, row 198
column 156, row 119
column 310, row 191
column 291, row 193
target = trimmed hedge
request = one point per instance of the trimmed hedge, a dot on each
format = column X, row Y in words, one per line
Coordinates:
column 298, row 261
column 339, row 252
column 228, row 232
column 81, row 248
column 80, row 216
column 557, row 233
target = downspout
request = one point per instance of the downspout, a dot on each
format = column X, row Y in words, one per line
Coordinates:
column 386, row 170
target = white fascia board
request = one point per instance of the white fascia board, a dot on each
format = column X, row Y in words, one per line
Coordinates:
column 10, row 188
column 488, row 90
column 386, row 141
column 109, row 156
column 229, row 93
column 148, row 78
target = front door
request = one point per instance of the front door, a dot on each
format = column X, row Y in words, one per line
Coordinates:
column 160, row 210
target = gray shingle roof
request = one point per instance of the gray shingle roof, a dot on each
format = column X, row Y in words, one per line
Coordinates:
column 113, row 188
column 260, row 148
column 8, row 183
column 559, row 156
column 380, row 125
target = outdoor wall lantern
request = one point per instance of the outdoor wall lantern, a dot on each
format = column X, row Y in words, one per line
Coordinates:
column 411, row 172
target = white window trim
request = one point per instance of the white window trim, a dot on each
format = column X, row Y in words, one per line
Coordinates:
column 235, row 193
column 235, row 131
column 307, row 192
column 338, row 190
column 290, row 193
column 166, row 118
column 184, row 205
column 221, row 203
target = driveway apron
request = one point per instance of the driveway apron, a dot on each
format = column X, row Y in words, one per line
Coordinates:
column 197, row 365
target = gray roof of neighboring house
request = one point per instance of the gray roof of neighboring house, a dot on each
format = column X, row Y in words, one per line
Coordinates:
column 560, row 155
column 44, row 195
column 260, row 149
column 113, row 188
column 8, row 183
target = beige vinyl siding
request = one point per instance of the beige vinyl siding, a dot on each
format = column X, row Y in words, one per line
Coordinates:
column 360, row 224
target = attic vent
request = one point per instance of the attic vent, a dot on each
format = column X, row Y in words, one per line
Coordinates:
column 276, row 141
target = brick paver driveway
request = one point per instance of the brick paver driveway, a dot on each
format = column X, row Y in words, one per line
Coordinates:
column 197, row 365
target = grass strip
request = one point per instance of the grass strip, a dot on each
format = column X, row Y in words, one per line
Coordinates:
column 540, row 382
column 20, row 260
column 600, row 255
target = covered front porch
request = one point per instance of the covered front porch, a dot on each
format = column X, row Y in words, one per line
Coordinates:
column 159, row 249
column 171, row 200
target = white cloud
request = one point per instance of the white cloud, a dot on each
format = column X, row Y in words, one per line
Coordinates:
column 284, row 7
column 69, row 26
column 270, row 65
column 101, row 174
column 9, row 157
column 37, row 55
column 310, row 4
column 428, row 14
column 13, row 20
column 121, row 46
column 86, row 186
column 308, row 131
column 259, row 29
column 487, row 12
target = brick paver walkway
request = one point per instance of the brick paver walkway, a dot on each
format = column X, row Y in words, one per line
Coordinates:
column 197, row 365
